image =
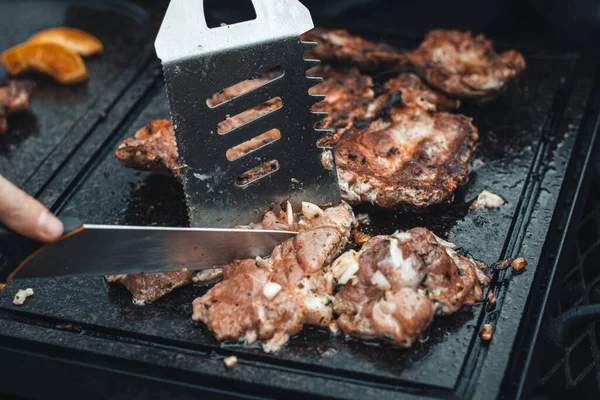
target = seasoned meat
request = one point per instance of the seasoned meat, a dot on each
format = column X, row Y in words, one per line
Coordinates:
column 153, row 148
column 272, row 299
column 400, row 282
column 464, row 65
column 346, row 92
column 338, row 46
column 408, row 155
column 14, row 98
column 150, row 287
column 408, row 89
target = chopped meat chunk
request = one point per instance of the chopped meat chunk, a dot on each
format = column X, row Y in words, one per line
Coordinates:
column 150, row 287
column 402, row 281
column 409, row 90
column 273, row 299
column 464, row 65
column 339, row 46
column 408, row 155
column 153, row 148
column 14, row 98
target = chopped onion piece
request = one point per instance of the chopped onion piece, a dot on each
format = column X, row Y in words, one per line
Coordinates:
column 443, row 242
column 21, row 296
column 230, row 361
column 271, row 289
column 311, row 211
column 345, row 267
column 380, row 281
column 402, row 236
column 487, row 199
column 289, row 213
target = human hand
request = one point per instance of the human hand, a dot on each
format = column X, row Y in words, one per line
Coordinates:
column 25, row 215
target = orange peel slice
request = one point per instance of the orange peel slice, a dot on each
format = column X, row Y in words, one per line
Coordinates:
column 73, row 39
column 62, row 64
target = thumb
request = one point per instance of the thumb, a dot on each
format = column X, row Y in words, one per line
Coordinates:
column 25, row 215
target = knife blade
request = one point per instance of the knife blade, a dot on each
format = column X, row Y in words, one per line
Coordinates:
column 96, row 250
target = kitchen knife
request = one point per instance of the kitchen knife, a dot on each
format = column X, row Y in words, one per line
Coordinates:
column 96, row 250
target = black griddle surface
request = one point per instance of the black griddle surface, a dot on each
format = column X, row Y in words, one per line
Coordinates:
column 526, row 140
column 61, row 116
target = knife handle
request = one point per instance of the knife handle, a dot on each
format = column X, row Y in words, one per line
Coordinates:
column 15, row 249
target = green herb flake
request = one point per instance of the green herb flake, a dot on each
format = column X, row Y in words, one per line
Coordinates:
column 386, row 242
column 313, row 290
column 460, row 272
column 431, row 253
column 421, row 266
column 301, row 285
column 183, row 169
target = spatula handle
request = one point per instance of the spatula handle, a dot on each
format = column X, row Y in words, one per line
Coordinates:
column 14, row 248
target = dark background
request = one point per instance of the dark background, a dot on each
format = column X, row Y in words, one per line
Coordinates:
column 553, row 24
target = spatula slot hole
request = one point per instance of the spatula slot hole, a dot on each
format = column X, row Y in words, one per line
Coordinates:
column 244, row 87
column 256, row 173
column 219, row 13
column 253, row 144
column 232, row 122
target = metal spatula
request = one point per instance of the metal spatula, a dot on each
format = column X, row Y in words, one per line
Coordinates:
column 198, row 62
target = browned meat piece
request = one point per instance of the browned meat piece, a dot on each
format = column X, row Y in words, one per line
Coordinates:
column 153, row 148
column 408, row 155
column 464, row 65
column 273, row 299
column 408, row 89
column 151, row 287
column 346, row 92
column 397, row 283
column 14, row 98
column 339, row 46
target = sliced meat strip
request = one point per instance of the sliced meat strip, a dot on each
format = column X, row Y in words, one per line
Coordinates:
column 408, row 155
column 464, row 65
column 14, row 98
column 339, row 46
column 272, row 299
column 401, row 282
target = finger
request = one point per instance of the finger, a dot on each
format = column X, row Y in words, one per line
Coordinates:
column 25, row 215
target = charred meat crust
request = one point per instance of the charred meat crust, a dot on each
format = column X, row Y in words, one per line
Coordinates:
column 464, row 65
column 153, row 148
column 347, row 93
column 337, row 46
column 408, row 154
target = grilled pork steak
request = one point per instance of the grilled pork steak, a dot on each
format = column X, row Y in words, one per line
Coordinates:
column 408, row 155
column 272, row 299
column 464, row 65
column 340, row 47
column 14, row 98
column 400, row 282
